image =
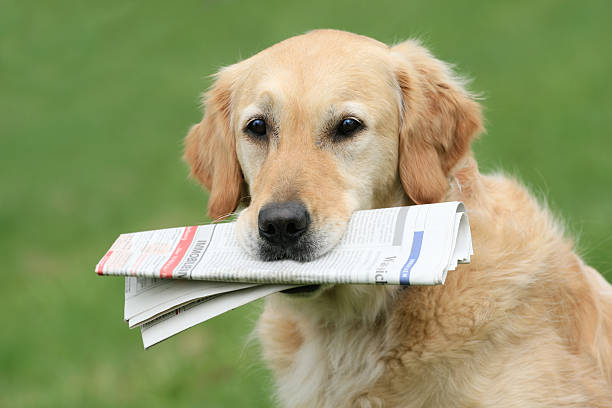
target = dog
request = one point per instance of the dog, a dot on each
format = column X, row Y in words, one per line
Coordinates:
column 320, row 125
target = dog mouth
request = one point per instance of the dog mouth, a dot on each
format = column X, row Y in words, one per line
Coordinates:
column 302, row 290
column 304, row 250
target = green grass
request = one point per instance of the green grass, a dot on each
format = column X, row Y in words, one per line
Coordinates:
column 95, row 98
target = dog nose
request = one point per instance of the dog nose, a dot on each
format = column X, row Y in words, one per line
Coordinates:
column 282, row 224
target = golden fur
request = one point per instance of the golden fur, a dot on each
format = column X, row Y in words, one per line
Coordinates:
column 526, row 324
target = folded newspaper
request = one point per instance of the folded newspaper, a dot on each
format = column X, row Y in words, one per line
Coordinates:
column 179, row 277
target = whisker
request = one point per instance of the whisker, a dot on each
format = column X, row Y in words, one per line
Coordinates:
column 224, row 216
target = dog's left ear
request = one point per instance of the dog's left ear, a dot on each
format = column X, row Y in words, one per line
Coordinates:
column 210, row 149
column 439, row 120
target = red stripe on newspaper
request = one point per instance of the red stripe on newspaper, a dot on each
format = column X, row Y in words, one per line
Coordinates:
column 179, row 252
column 100, row 268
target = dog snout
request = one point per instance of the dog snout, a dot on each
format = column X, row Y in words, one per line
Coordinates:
column 282, row 224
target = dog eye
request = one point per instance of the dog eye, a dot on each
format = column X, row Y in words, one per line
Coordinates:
column 257, row 127
column 348, row 126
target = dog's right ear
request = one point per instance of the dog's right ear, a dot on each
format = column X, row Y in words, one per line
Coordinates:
column 210, row 149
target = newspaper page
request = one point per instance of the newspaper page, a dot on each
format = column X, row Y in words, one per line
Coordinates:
column 165, row 307
column 184, row 317
column 414, row 245
column 148, row 298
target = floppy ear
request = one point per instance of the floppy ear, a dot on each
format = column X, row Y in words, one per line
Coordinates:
column 439, row 120
column 210, row 150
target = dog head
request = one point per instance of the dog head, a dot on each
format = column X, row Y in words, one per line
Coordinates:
column 318, row 126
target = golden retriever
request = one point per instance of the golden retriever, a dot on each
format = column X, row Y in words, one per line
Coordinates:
column 327, row 123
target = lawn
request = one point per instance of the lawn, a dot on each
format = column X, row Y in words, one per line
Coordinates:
column 95, row 98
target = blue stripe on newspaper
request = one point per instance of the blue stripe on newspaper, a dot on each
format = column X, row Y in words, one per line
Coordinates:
column 417, row 240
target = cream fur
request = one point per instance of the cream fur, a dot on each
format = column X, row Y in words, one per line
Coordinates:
column 526, row 324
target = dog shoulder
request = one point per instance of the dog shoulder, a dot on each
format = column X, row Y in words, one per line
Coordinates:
column 528, row 264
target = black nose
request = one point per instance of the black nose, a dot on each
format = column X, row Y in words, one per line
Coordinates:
column 282, row 224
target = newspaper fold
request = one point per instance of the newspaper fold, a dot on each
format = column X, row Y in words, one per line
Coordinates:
column 414, row 245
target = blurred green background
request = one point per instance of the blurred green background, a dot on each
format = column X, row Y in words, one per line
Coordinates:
column 95, row 98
